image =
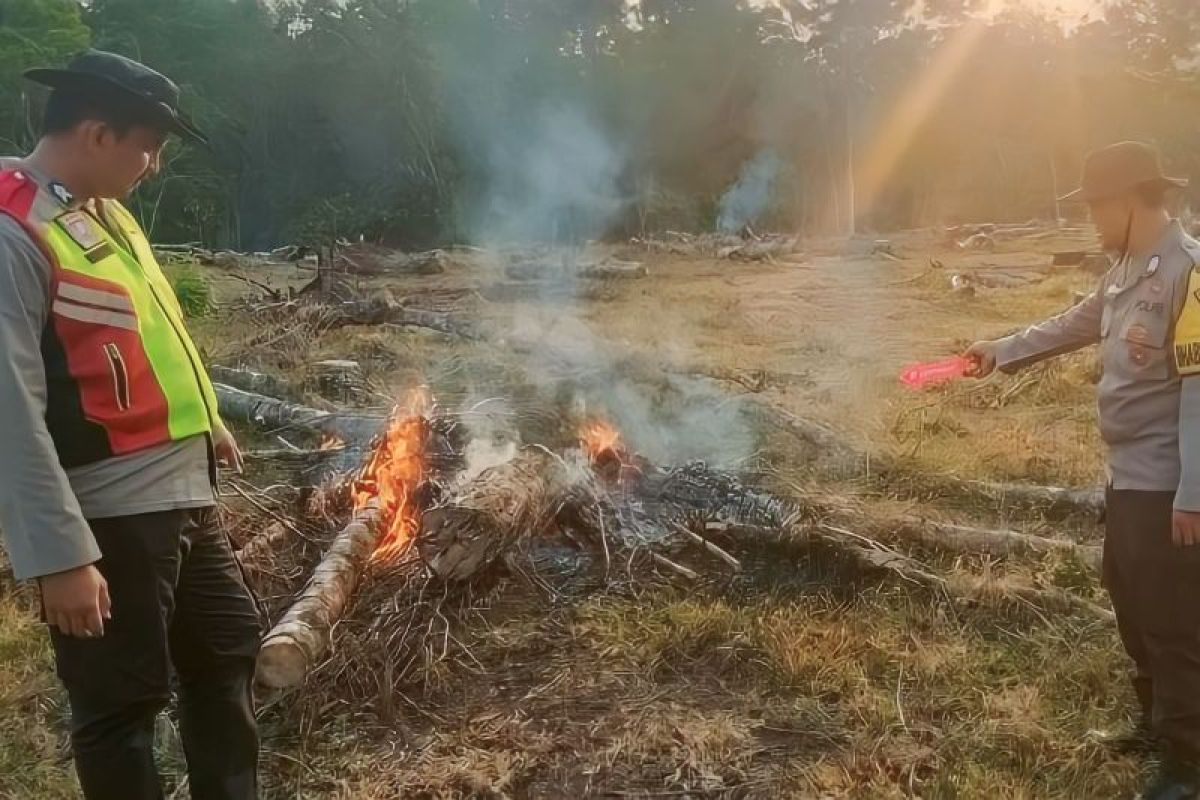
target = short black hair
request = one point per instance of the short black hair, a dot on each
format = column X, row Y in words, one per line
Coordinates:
column 1152, row 195
column 66, row 110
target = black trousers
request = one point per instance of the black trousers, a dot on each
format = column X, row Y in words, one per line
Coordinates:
column 1155, row 589
column 178, row 601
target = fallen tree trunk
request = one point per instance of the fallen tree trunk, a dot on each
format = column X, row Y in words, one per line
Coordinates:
column 432, row 262
column 956, row 539
column 482, row 519
column 383, row 310
column 1088, row 501
column 248, row 380
column 613, row 269
column 300, row 639
column 842, row 457
column 870, row 553
column 273, row 413
column 992, row 541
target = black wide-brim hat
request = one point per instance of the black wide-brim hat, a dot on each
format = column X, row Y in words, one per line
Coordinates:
column 1119, row 169
column 100, row 75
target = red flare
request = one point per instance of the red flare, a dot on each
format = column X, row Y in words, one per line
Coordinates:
column 918, row 376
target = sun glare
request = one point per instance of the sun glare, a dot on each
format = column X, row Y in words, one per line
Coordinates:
column 1063, row 10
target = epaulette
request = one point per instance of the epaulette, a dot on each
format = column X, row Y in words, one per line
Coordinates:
column 1192, row 248
column 17, row 192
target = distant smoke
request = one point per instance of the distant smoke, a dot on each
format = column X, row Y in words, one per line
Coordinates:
column 747, row 199
column 555, row 179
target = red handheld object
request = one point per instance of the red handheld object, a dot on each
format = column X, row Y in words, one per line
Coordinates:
column 918, row 376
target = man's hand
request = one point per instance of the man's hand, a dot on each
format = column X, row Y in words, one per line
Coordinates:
column 225, row 447
column 982, row 356
column 76, row 601
column 1185, row 528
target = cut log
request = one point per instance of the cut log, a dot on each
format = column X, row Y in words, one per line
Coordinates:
column 484, row 518
column 965, row 540
column 1053, row 498
column 249, row 381
column 274, row 414
column 869, row 553
column 956, row 539
column 300, row 639
column 383, row 310
column 840, row 456
column 612, row 269
column 371, row 260
column 338, row 379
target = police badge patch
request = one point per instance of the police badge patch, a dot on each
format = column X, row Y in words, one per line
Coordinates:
column 82, row 230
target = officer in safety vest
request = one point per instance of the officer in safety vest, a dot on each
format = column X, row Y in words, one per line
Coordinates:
column 1145, row 315
column 111, row 443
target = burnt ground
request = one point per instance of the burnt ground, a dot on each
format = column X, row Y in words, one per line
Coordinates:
column 804, row 676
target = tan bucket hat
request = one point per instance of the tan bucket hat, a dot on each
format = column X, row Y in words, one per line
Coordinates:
column 1119, row 168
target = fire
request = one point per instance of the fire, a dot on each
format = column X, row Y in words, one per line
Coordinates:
column 331, row 441
column 601, row 440
column 608, row 454
column 391, row 477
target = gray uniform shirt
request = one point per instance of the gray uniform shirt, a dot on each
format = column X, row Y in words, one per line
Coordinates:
column 43, row 507
column 1149, row 416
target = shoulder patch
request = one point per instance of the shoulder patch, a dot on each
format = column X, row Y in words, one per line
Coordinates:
column 1187, row 327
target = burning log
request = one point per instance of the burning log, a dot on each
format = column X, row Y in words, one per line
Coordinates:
column 481, row 520
column 299, row 640
column 380, row 530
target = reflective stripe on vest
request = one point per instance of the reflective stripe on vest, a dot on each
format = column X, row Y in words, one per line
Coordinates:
column 122, row 373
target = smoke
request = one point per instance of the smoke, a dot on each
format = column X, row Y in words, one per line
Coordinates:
column 750, row 197
column 666, row 417
column 493, row 438
column 545, row 169
column 555, row 178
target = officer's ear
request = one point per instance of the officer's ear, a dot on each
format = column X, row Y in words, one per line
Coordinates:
column 97, row 134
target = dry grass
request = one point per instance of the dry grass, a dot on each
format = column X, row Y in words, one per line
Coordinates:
column 732, row 692
column 33, row 759
column 798, row 679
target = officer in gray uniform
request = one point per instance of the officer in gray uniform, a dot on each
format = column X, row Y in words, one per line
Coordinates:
column 1145, row 315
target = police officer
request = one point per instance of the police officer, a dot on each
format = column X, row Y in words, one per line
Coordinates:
column 111, row 441
column 1145, row 315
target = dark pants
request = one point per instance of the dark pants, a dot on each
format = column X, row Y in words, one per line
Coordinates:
column 178, row 600
column 1155, row 589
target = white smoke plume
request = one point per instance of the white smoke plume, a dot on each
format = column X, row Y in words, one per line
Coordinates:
column 751, row 196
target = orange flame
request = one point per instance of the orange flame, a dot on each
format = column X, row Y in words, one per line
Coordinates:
column 392, row 476
column 331, row 441
column 600, row 437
